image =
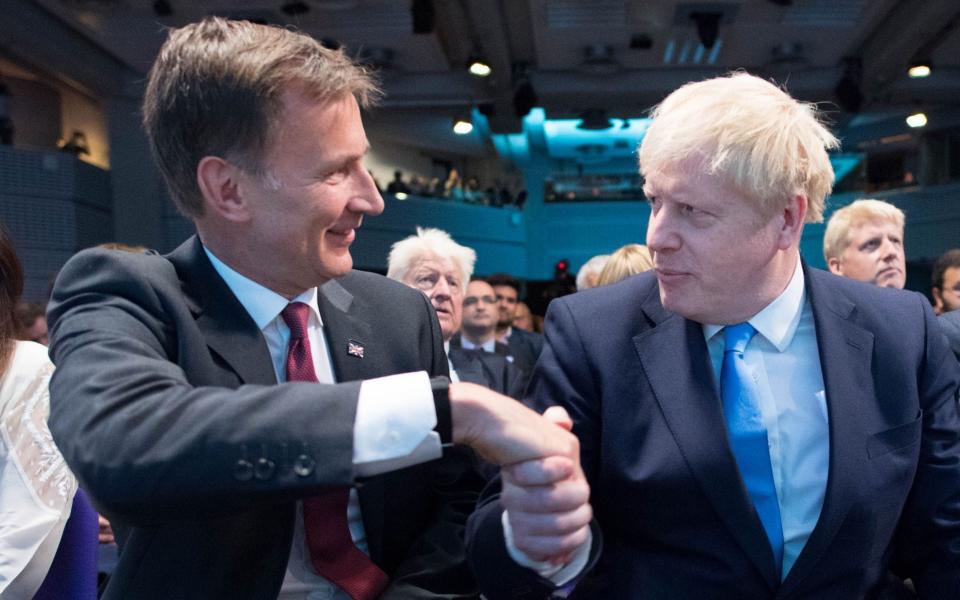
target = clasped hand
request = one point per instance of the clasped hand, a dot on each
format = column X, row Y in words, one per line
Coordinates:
column 545, row 492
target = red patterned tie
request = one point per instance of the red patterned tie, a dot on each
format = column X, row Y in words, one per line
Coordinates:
column 332, row 551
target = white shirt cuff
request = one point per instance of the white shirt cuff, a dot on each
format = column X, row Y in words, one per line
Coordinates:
column 394, row 426
column 557, row 574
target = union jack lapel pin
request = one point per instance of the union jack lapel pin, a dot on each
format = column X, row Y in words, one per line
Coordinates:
column 355, row 348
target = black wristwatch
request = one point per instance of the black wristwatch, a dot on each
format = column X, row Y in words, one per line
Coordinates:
column 440, row 386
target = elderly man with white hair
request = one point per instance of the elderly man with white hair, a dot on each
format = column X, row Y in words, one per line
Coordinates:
column 750, row 427
column 432, row 262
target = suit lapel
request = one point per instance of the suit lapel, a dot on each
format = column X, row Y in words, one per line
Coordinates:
column 225, row 324
column 345, row 331
column 468, row 366
column 694, row 415
column 846, row 352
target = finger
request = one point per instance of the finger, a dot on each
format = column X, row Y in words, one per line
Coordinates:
column 548, row 548
column 540, row 471
column 559, row 416
column 564, row 496
column 553, row 524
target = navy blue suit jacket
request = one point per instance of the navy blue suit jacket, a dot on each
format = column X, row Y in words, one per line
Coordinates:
column 676, row 520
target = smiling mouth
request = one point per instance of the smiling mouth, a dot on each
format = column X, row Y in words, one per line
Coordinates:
column 346, row 235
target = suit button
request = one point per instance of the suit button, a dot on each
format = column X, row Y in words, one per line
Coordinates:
column 304, row 465
column 243, row 470
column 264, row 469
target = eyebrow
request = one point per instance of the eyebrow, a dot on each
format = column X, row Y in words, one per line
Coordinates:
column 341, row 161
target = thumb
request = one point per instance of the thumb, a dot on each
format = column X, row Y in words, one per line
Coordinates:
column 558, row 416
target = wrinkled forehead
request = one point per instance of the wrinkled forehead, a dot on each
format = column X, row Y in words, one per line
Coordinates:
column 433, row 263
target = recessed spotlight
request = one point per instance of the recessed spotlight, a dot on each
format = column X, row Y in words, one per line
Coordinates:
column 462, row 127
column 919, row 69
column 480, row 68
column 917, row 120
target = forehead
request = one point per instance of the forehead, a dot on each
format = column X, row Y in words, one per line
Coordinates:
column 875, row 226
column 479, row 287
column 304, row 124
column 505, row 290
column 435, row 264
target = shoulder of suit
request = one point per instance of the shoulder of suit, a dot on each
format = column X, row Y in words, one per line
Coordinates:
column 104, row 265
column 640, row 289
column 863, row 295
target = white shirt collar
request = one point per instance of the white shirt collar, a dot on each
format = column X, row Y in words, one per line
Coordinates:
column 488, row 346
column 778, row 321
column 261, row 303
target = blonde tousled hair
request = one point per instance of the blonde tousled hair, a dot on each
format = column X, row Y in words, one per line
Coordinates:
column 625, row 261
column 750, row 132
column 836, row 238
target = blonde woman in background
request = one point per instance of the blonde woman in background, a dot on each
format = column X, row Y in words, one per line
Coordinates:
column 626, row 261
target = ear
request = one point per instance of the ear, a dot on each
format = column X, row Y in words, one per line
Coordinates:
column 794, row 216
column 835, row 266
column 219, row 182
column 937, row 300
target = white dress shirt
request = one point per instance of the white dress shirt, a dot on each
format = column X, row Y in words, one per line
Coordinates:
column 393, row 427
column 786, row 364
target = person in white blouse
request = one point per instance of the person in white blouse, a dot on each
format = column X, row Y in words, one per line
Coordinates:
column 37, row 489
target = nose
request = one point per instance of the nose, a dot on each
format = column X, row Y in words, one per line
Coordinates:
column 660, row 234
column 366, row 198
column 888, row 249
column 441, row 291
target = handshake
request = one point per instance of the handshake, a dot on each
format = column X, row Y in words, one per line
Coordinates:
column 545, row 492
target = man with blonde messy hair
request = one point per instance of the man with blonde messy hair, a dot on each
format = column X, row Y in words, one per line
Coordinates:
column 751, row 428
column 224, row 402
column 864, row 241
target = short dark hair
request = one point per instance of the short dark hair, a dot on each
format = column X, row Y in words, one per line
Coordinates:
column 29, row 312
column 11, row 286
column 950, row 258
column 504, row 279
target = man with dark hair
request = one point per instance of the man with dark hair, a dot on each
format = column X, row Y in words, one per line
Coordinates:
column 33, row 322
column 224, row 403
column 945, row 282
column 525, row 346
column 946, row 295
column 433, row 263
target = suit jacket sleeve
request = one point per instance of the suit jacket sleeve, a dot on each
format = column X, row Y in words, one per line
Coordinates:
column 150, row 442
column 562, row 377
column 929, row 528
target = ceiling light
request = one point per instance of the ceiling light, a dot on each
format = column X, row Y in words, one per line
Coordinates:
column 917, row 120
column 401, row 196
column 480, row 68
column 920, row 68
column 462, row 127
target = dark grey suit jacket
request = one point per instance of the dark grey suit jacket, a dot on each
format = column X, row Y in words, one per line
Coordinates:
column 490, row 370
column 166, row 406
column 676, row 520
column 950, row 323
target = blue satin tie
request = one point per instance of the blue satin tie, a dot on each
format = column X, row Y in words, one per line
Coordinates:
column 748, row 436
